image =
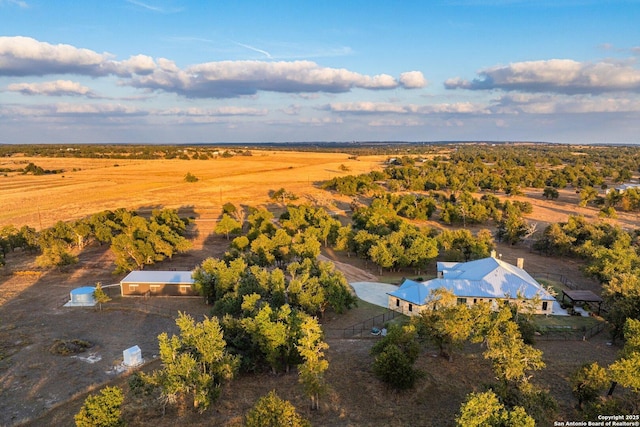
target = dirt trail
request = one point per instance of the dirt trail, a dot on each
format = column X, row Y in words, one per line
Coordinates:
column 353, row 274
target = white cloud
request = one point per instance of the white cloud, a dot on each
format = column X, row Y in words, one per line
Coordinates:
column 367, row 107
column 220, row 111
column 426, row 109
column 54, row 88
column 25, row 56
column 412, row 80
column 22, row 56
column 226, row 79
column 404, row 122
column 103, row 110
column 564, row 104
column 137, row 64
column 19, row 3
column 555, row 76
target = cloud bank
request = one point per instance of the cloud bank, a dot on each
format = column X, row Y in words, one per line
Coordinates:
column 55, row 88
column 556, row 76
column 25, row 56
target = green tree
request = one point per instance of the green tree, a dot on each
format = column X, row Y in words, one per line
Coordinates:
column 511, row 358
column 395, row 368
column 214, row 278
column 448, row 324
column 550, row 193
column 227, row 225
column 189, row 177
column 57, row 255
column 588, row 382
column 100, row 295
column 272, row 411
column 485, row 410
column 195, row 363
column 311, row 348
column 513, row 227
column 269, row 329
column 282, row 195
column 587, row 194
column 626, row 370
column 101, row 410
column 622, row 298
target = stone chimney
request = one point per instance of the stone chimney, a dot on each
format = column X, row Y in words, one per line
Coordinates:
column 493, row 254
column 520, row 263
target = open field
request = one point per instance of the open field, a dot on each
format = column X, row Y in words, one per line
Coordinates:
column 39, row 388
column 92, row 185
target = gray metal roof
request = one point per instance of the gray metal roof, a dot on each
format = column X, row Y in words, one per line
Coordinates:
column 163, row 277
column 483, row 278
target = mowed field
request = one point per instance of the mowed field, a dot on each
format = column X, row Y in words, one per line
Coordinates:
column 91, row 185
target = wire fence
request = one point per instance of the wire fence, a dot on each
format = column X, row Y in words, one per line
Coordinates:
column 557, row 278
column 364, row 329
column 570, row 334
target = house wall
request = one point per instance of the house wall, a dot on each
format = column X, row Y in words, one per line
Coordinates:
column 156, row 289
column 409, row 309
column 539, row 308
column 404, row 307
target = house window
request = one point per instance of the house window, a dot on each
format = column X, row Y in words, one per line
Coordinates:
column 545, row 304
column 154, row 288
column 397, row 302
column 410, row 307
column 475, row 300
column 462, row 300
column 185, row 289
column 133, row 287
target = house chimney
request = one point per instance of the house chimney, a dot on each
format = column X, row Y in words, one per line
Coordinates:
column 520, row 263
column 493, row 254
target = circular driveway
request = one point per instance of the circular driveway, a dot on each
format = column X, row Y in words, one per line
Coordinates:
column 374, row 292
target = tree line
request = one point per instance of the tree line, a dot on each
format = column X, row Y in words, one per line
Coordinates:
column 136, row 241
column 505, row 169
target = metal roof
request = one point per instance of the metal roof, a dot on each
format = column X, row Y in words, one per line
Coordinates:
column 483, row 278
column 163, row 277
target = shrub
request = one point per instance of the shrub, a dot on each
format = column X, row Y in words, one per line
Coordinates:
column 102, row 410
column 189, row 177
column 272, row 411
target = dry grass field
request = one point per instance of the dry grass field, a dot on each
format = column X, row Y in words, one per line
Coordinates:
column 38, row 388
column 92, row 185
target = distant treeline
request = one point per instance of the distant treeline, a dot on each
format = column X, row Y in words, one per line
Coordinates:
column 145, row 152
column 205, row 151
column 507, row 169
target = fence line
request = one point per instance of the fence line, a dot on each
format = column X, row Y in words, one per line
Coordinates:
column 358, row 330
column 572, row 334
column 557, row 277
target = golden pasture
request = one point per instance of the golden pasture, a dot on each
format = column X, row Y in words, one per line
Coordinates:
column 92, row 185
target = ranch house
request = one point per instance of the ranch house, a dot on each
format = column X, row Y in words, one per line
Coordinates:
column 158, row 283
column 485, row 280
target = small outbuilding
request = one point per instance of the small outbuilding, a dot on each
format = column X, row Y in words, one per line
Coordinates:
column 158, row 283
column 132, row 356
column 583, row 296
column 82, row 297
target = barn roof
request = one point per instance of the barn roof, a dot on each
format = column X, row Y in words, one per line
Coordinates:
column 163, row 277
column 483, row 278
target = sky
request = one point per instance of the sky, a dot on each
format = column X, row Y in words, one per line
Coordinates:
column 179, row 72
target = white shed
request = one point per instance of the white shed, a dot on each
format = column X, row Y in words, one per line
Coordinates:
column 132, row 356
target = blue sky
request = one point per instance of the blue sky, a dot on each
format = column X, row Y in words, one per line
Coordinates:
column 177, row 71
